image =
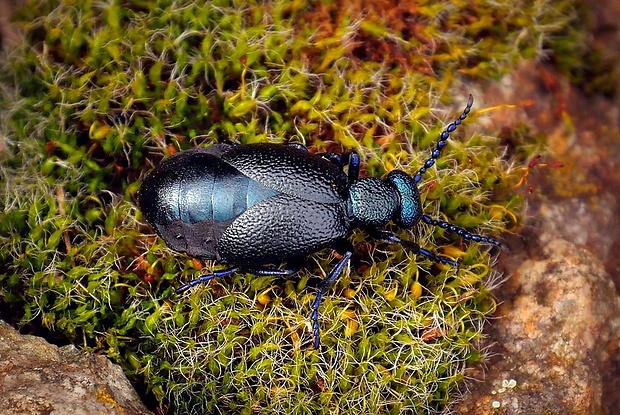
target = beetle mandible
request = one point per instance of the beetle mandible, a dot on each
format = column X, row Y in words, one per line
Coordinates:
column 250, row 205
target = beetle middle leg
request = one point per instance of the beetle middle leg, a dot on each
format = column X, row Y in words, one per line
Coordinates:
column 350, row 160
column 321, row 290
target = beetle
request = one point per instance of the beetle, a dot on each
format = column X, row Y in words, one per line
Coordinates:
column 256, row 204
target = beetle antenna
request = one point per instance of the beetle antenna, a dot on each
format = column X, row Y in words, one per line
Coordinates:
column 445, row 134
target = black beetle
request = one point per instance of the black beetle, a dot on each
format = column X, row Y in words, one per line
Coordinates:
column 256, row 204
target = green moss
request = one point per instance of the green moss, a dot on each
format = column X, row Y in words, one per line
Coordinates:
column 574, row 53
column 99, row 92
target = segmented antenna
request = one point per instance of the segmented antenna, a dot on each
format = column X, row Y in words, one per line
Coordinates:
column 445, row 134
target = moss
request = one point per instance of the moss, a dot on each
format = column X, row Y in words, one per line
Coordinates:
column 576, row 55
column 99, row 92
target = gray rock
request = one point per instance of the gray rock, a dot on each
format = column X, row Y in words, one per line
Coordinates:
column 39, row 378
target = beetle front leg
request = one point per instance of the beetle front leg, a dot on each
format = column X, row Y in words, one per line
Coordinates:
column 321, row 290
column 393, row 239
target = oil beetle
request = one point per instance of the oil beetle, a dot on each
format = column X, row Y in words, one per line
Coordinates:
column 256, row 204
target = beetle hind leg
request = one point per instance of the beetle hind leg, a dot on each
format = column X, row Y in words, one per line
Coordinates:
column 203, row 279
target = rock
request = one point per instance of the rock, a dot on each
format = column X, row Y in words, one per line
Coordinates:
column 39, row 378
column 9, row 33
column 556, row 338
column 554, row 346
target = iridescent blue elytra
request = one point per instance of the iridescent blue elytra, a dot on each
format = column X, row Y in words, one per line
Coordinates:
column 251, row 205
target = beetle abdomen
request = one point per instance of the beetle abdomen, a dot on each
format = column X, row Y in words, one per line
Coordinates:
column 192, row 197
column 195, row 186
column 228, row 195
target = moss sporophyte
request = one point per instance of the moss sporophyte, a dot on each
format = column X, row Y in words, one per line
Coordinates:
column 99, row 92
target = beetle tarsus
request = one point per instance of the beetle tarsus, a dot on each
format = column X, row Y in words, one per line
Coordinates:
column 393, row 239
column 438, row 258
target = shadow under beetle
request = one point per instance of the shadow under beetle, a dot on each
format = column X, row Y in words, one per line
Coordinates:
column 256, row 204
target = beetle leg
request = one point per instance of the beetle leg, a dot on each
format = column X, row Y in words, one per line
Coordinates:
column 392, row 238
column 354, row 167
column 463, row 233
column 203, row 279
column 271, row 272
column 321, row 290
column 351, row 160
column 298, row 145
column 336, row 158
